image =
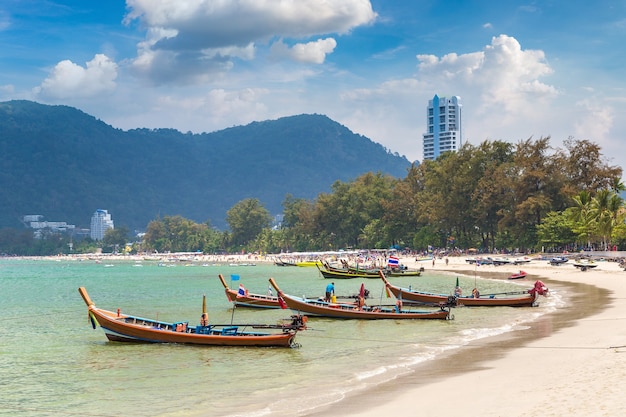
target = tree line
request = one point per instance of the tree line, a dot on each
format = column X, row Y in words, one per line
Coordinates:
column 493, row 196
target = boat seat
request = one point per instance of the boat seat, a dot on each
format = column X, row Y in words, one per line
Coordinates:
column 231, row 330
column 203, row 329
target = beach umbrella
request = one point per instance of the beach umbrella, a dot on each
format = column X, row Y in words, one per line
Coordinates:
column 203, row 303
column 362, row 290
column 457, row 281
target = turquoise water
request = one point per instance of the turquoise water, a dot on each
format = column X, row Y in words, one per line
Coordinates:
column 52, row 363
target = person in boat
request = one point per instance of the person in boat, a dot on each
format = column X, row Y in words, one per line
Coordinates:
column 475, row 293
column 360, row 303
column 399, row 306
column 330, row 291
column 204, row 319
column 458, row 291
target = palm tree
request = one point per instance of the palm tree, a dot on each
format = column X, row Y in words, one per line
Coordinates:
column 606, row 207
column 583, row 216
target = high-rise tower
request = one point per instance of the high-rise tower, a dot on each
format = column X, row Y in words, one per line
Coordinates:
column 444, row 131
column 100, row 223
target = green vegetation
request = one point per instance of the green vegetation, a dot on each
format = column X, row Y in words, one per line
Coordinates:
column 492, row 196
column 495, row 195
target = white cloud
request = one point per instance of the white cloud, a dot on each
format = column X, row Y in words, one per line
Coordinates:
column 68, row 80
column 7, row 89
column 502, row 69
column 501, row 87
column 595, row 120
column 191, row 40
column 312, row 52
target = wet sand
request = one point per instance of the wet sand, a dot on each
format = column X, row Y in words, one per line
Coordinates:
column 567, row 363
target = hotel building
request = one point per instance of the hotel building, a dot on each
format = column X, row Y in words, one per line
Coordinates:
column 444, row 131
column 100, row 223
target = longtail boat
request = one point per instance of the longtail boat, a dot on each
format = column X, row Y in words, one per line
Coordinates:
column 525, row 298
column 120, row 327
column 331, row 272
column 280, row 262
column 356, row 311
column 400, row 271
column 310, row 263
column 336, row 273
column 246, row 299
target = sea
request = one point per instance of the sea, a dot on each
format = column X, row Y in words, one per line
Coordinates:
column 53, row 363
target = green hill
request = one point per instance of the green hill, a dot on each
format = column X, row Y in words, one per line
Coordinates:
column 64, row 164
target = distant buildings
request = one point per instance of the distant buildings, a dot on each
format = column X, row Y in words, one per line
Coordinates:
column 36, row 222
column 100, row 223
column 444, row 129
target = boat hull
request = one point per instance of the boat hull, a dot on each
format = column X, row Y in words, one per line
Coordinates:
column 125, row 328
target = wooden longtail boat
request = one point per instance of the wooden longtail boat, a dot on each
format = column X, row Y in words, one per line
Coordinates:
column 280, row 262
column 309, row 263
column 120, row 327
column 400, row 271
column 248, row 299
column 336, row 273
column 526, row 298
column 373, row 272
column 352, row 311
column 331, row 272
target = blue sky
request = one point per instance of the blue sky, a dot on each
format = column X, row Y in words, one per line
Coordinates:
column 522, row 69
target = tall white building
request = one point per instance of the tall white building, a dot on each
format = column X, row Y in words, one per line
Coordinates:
column 100, row 223
column 444, row 129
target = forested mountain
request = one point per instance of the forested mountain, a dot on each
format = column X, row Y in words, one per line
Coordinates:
column 64, row 164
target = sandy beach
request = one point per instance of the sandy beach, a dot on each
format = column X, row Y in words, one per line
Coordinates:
column 567, row 364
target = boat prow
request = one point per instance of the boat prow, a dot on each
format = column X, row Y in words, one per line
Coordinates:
column 248, row 299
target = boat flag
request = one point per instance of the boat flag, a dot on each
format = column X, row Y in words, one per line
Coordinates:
column 234, row 277
column 393, row 261
column 242, row 290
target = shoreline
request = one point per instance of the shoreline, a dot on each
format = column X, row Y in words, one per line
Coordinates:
column 565, row 363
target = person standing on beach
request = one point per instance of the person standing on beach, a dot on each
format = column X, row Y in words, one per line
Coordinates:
column 330, row 291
